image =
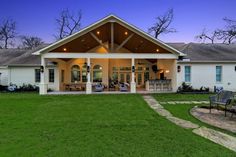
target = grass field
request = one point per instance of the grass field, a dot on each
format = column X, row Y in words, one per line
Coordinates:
column 93, row 125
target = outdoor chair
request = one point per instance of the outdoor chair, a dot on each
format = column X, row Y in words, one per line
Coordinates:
column 232, row 108
column 99, row 87
column 222, row 98
column 123, row 87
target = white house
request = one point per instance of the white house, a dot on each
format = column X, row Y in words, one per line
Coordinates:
column 112, row 51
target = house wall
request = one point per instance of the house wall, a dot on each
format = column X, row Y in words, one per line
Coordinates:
column 26, row 75
column 205, row 75
column 4, row 76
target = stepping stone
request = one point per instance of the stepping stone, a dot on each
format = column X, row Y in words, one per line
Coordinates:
column 171, row 102
column 217, row 137
column 163, row 112
column 183, row 123
column 196, row 102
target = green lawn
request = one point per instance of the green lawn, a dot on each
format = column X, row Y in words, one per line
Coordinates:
column 93, row 125
column 181, row 97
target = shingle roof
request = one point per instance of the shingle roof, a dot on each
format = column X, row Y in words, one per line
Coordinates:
column 7, row 55
column 207, row 52
column 20, row 56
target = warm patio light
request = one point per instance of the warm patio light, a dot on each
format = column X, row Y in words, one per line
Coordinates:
column 126, row 33
column 157, row 50
column 98, row 32
column 167, row 71
column 64, row 49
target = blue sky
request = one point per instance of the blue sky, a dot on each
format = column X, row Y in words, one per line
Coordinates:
column 37, row 17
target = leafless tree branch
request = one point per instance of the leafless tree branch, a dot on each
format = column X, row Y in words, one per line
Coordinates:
column 162, row 24
column 30, row 42
column 7, row 32
column 67, row 23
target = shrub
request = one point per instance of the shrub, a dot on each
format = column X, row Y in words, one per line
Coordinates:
column 185, row 88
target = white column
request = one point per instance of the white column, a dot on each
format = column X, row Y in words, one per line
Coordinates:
column 43, row 87
column 88, row 84
column 133, row 84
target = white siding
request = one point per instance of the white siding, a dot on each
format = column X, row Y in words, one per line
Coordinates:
column 26, row 75
column 205, row 75
column 4, row 76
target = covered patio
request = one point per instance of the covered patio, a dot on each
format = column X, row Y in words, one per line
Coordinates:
column 111, row 52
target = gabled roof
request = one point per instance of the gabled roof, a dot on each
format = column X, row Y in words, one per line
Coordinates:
column 110, row 18
column 200, row 52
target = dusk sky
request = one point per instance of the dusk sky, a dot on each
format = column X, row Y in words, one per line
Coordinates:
column 37, row 17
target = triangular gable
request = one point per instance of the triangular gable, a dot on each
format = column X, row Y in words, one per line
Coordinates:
column 110, row 18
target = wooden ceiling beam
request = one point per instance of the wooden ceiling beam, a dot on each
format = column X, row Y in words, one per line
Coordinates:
column 124, row 42
column 99, row 41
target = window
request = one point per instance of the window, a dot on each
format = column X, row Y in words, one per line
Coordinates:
column 62, row 75
column 37, row 75
column 84, row 73
column 97, row 73
column 187, row 75
column 218, row 74
column 146, row 76
column 51, row 75
column 122, row 77
column 75, row 73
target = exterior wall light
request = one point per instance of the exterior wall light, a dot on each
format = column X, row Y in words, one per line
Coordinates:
column 41, row 69
column 133, row 69
column 167, row 71
column 64, row 49
column 178, row 68
column 98, row 32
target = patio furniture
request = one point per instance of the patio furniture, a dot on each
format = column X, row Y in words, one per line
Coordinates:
column 75, row 87
column 222, row 98
column 99, row 87
column 123, row 87
column 232, row 107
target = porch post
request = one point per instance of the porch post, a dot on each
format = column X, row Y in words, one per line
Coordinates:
column 133, row 84
column 43, row 85
column 88, row 84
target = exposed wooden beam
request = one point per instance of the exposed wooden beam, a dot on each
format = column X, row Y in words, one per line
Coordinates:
column 124, row 42
column 112, row 36
column 99, row 41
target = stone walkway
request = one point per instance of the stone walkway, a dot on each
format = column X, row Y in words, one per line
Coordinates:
column 213, row 135
column 216, row 118
column 184, row 102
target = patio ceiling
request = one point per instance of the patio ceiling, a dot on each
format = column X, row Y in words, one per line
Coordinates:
column 135, row 43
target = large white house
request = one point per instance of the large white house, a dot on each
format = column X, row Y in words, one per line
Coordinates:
column 111, row 51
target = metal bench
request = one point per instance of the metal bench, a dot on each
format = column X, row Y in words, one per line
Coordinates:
column 222, row 98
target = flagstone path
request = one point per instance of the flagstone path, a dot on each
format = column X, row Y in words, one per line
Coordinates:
column 213, row 135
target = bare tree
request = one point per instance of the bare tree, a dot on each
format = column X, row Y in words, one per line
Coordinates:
column 7, row 32
column 162, row 24
column 228, row 33
column 30, row 42
column 67, row 23
column 204, row 35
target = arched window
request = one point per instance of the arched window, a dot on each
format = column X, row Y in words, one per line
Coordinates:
column 75, row 73
column 97, row 73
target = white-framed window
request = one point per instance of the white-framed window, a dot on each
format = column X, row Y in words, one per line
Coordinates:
column 187, row 73
column 218, row 74
column 97, row 73
column 51, row 75
column 75, row 73
column 37, row 75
